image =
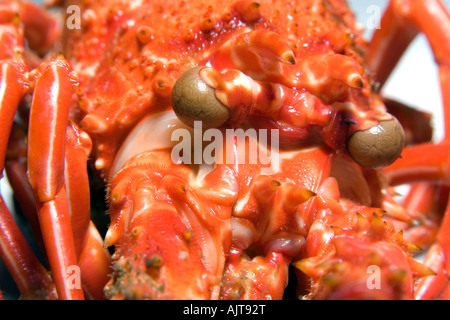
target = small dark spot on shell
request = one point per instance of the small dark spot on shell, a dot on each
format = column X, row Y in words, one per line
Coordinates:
column 155, row 261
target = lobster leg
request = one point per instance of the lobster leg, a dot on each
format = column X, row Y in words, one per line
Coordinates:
column 53, row 90
column 77, row 149
column 431, row 288
column 426, row 204
column 430, row 167
column 30, row 276
column 426, row 162
column 438, row 259
column 400, row 24
column 60, row 185
column 41, row 29
column 16, row 171
column 14, row 87
column 28, row 273
column 57, row 172
column 88, row 242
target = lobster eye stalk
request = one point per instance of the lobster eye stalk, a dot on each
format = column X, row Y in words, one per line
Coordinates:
column 378, row 146
column 193, row 100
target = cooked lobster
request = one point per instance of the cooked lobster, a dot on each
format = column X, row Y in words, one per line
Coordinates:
column 172, row 104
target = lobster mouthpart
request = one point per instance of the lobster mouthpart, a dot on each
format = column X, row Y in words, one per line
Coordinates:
column 168, row 229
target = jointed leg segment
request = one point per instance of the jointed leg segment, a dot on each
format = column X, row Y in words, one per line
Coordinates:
column 402, row 21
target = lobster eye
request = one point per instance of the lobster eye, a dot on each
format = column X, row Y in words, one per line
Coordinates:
column 193, row 100
column 378, row 146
